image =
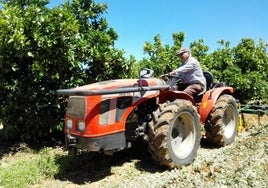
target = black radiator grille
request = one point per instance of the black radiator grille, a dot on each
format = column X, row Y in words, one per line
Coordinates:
column 76, row 107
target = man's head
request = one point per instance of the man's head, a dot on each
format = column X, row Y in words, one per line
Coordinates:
column 184, row 54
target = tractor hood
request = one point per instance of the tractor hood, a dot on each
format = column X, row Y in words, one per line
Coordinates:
column 116, row 86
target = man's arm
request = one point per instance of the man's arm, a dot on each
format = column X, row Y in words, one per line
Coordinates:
column 185, row 68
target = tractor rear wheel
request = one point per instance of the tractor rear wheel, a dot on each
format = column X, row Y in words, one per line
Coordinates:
column 174, row 134
column 221, row 126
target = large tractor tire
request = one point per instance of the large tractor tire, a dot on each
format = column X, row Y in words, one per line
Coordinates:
column 221, row 126
column 174, row 134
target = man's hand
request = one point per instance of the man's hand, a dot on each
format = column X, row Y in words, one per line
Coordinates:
column 168, row 75
column 173, row 73
column 164, row 76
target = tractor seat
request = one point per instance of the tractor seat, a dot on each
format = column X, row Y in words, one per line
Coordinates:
column 210, row 85
column 209, row 79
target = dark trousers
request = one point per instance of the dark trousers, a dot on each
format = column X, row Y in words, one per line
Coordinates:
column 191, row 89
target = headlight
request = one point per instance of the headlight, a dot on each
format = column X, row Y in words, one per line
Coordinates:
column 81, row 126
column 69, row 124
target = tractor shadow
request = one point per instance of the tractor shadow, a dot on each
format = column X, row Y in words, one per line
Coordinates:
column 89, row 167
column 83, row 168
column 207, row 145
column 92, row 167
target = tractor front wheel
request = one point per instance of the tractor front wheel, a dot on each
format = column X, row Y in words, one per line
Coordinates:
column 174, row 134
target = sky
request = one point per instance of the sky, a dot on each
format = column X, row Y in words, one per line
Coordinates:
column 138, row 21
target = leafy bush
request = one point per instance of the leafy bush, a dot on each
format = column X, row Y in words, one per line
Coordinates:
column 44, row 49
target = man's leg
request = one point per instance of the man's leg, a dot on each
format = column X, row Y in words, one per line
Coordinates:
column 193, row 89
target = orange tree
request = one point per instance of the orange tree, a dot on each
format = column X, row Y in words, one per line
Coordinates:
column 43, row 49
column 161, row 57
column 244, row 67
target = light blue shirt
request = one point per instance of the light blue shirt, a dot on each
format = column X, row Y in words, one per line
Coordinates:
column 191, row 73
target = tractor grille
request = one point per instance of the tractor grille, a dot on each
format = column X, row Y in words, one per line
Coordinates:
column 76, row 107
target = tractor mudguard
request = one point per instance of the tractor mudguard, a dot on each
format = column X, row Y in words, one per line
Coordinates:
column 209, row 100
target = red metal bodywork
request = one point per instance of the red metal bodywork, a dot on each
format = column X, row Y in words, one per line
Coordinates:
column 93, row 106
column 209, row 100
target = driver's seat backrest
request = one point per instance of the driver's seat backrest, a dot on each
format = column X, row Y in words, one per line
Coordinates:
column 209, row 79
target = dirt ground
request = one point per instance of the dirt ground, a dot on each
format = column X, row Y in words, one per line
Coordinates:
column 214, row 167
column 241, row 164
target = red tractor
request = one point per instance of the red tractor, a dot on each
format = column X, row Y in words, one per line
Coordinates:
column 110, row 116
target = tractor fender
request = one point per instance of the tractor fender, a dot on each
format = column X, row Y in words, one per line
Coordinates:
column 209, row 100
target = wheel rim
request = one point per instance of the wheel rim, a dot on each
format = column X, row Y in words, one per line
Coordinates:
column 229, row 122
column 183, row 135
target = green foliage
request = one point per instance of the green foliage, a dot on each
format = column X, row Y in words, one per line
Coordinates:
column 28, row 171
column 199, row 50
column 42, row 50
column 252, row 60
column 36, row 58
column 162, row 58
column 244, row 67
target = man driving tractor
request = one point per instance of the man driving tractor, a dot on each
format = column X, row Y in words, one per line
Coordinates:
column 190, row 72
